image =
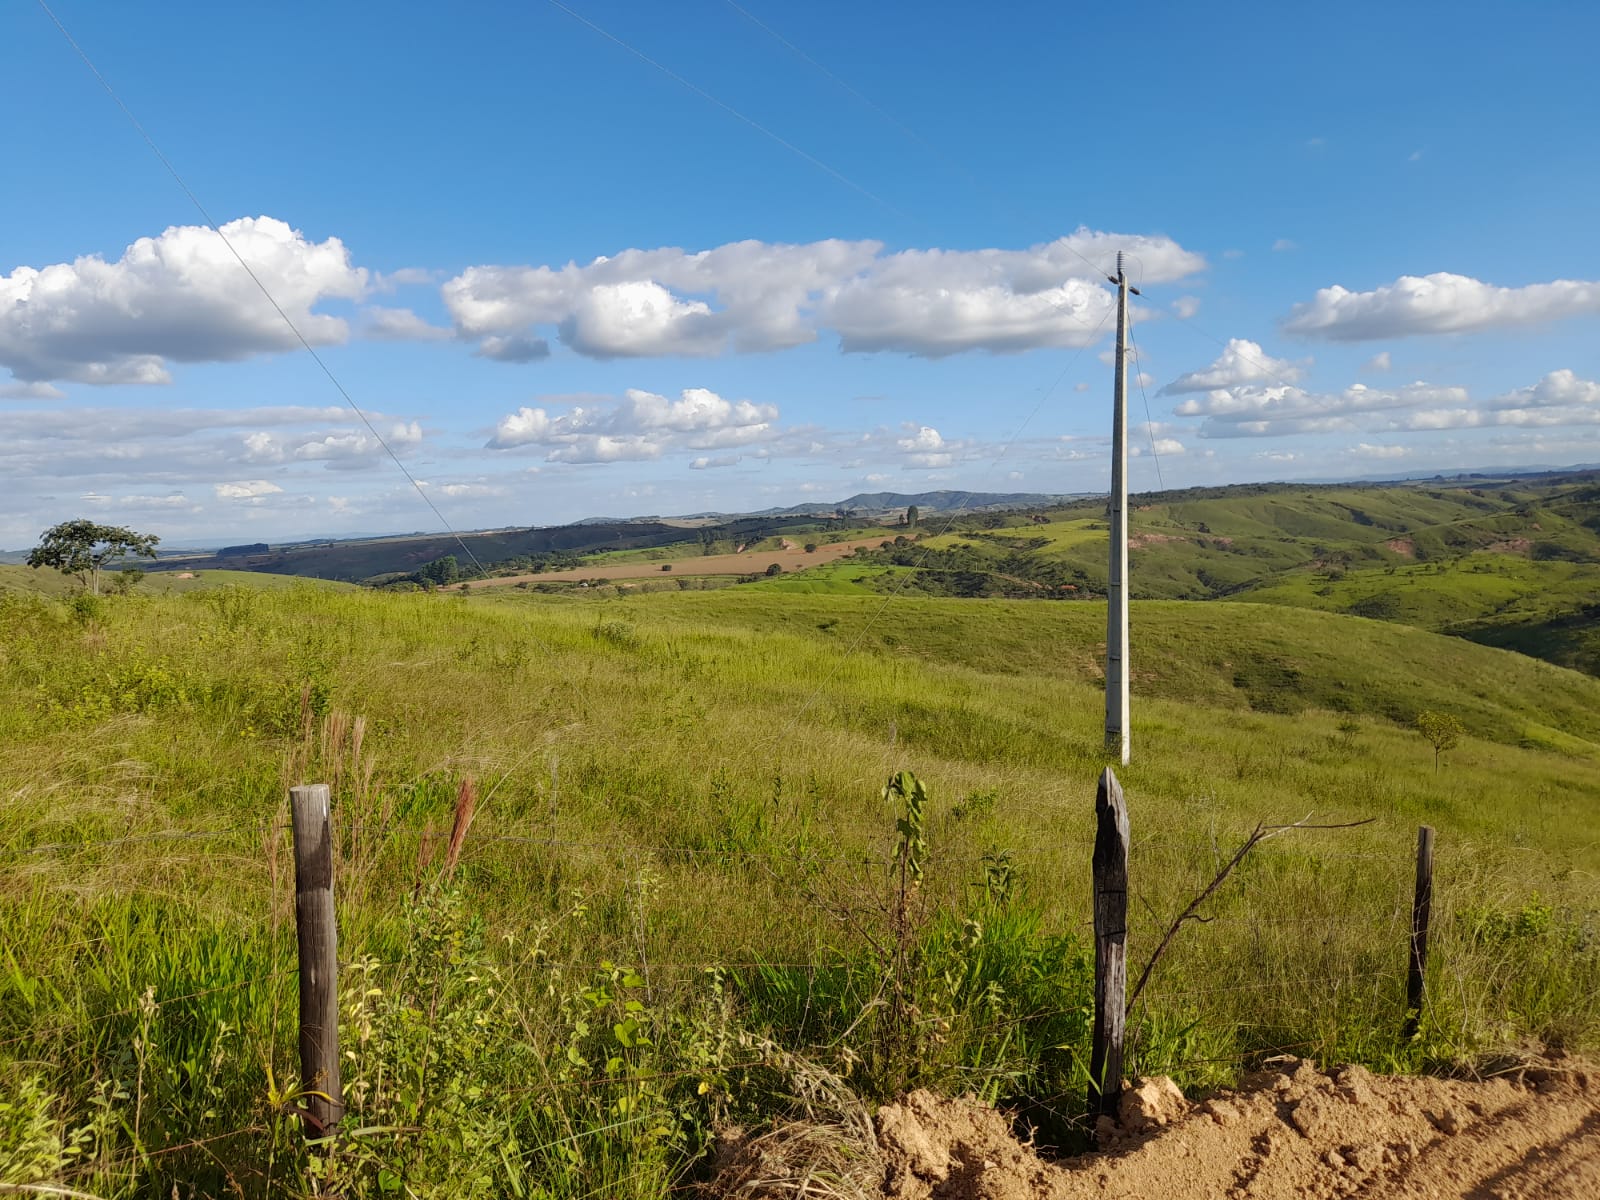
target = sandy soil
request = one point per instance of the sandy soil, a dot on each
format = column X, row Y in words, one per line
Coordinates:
column 1294, row 1132
column 754, row 561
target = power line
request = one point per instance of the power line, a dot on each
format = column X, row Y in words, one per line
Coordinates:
column 812, row 159
column 1269, row 371
column 862, row 98
column 212, row 225
column 955, row 513
column 729, row 109
column 1149, row 423
column 994, row 197
column 792, row 147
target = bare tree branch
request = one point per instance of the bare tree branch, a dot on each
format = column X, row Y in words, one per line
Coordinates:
column 1260, row 834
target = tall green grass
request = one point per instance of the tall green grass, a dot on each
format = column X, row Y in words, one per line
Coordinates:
column 674, row 905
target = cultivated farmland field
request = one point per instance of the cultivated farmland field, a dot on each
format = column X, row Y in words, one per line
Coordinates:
column 751, row 562
column 673, row 907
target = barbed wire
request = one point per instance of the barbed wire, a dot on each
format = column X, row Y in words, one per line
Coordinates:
column 539, row 833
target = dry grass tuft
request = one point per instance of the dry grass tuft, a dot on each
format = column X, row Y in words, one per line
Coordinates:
column 799, row 1159
column 827, row 1147
column 466, row 806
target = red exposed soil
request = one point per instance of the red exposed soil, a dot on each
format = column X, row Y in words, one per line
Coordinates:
column 1402, row 546
column 1289, row 1133
column 1510, row 546
column 1139, row 541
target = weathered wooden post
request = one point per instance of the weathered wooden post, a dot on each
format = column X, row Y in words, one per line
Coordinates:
column 319, row 955
column 1110, row 944
column 1421, row 911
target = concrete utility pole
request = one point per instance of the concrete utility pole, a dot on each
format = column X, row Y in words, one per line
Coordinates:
column 1117, row 589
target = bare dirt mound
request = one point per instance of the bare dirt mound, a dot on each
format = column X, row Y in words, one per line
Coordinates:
column 1533, row 1134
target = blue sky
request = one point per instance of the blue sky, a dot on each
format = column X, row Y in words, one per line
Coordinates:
column 849, row 247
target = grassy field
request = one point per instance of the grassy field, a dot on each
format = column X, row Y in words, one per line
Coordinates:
column 1512, row 566
column 674, row 906
column 27, row 581
column 748, row 562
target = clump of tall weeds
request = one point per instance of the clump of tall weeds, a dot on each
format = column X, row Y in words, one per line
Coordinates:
column 944, row 980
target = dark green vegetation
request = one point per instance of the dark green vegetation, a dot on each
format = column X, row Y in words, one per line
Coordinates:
column 1513, row 564
column 82, row 550
column 1509, row 562
column 381, row 561
column 680, row 901
column 510, row 551
column 380, row 558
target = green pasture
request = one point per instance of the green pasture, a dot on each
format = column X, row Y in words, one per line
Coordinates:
column 674, row 907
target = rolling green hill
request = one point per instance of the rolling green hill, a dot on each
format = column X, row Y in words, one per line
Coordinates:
column 679, row 833
column 1515, row 566
column 155, row 583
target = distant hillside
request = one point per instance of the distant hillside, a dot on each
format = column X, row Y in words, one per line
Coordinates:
column 878, row 504
column 353, row 561
column 15, row 578
column 360, row 559
column 1511, row 563
column 1508, row 561
column 376, row 559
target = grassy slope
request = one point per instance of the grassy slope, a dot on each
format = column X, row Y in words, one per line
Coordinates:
column 690, row 765
column 160, row 583
column 1512, row 567
column 1222, row 657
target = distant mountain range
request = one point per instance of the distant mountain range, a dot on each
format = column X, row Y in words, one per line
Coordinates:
column 867, row 504
column 861, row 505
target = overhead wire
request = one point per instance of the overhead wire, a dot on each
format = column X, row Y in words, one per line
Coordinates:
column 256, row 279
column 821, row 165
column 1149, row 421
column 1269, row 371
column 955, row 513
column 728, row 108
column 710, row 98
column 1005, row 448
column 996, row 198
column 854, row 185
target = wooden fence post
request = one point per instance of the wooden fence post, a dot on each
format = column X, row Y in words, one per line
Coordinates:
column 319, row 956
column 1421, row 911
column 1110, row 945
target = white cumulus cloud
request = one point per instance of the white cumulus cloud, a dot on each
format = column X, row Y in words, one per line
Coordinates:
column 246, row 489
column 1558, row 400
column 756, row 296
column 30, row 391
column 925, row 438
column 1435, row 304
column 401, row 325
column 1252, row 411
column 1558, row 389
column 349, row 448
column 1241, row 362
column 178, row 297
column 639, row 425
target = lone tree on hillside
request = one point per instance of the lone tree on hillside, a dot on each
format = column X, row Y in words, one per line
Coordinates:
column 913, row 515
column 82, row 549
column 1441, row 730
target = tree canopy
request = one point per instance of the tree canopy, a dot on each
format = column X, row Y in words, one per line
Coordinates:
column 1442, row 730
column 82, row 549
